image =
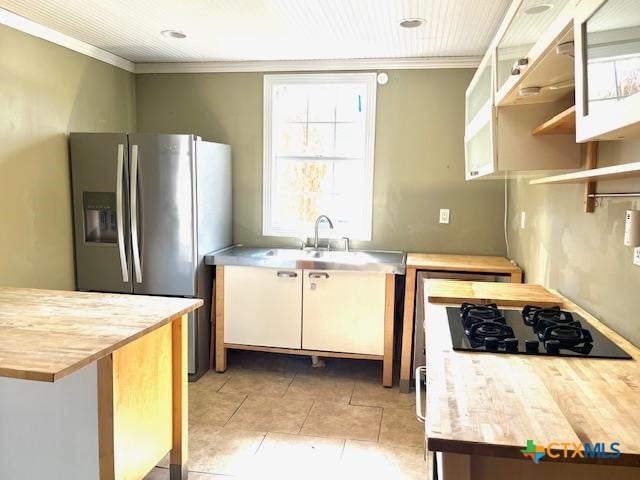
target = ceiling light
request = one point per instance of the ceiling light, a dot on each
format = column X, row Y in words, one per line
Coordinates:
column 538, row 9
column 173, row 34
column 412, row 22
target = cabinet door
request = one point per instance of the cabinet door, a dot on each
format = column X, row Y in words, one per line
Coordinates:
column 343, row 312
column 607, row 40
column 262, row 306
column 479, row 146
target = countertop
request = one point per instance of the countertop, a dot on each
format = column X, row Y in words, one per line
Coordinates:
column 48, row 334
column 379, row 261
column 491, row 404
column 462, row 263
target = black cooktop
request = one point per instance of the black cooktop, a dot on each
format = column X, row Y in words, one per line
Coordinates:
column 532, row 331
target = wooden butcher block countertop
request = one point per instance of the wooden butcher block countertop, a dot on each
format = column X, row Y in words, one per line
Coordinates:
column 491, row 404
column 48, row 334
column 462, row 263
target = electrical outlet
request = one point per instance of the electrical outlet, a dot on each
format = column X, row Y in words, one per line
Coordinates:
column 636, row 256
column 523, row 220
column 444, row 215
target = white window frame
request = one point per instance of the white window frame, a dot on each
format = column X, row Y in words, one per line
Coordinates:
column 370, row 126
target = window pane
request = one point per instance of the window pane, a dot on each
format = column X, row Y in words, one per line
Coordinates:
column 322, row 103
column 351, row 103
column 320, row 139
column 291, row 103
column 291, row 139
column 349, row 139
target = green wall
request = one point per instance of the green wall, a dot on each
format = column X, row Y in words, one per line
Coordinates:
column 581, row 254
column 45, row 92
column 419, row 155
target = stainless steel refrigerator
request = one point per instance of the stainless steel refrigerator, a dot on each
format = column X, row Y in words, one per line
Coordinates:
column 146, row 209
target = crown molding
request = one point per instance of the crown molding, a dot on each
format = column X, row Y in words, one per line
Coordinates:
column 22, row 24
column 309, row 65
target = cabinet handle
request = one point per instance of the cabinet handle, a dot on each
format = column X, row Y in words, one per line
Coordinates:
column 287, row 274
column 318, row 275
column 419, row 413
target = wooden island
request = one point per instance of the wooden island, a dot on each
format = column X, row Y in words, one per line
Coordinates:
column 92, row 385
column 482, row 408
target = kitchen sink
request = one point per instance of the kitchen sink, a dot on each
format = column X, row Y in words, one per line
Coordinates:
column 311, row 259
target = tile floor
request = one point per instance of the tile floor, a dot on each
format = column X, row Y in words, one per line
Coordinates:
column 273, row 416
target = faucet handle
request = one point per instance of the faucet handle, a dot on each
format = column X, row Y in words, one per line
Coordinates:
column 347, row 244
column 303, row 242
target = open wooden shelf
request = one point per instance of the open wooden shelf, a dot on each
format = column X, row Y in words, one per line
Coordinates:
column 605, row 173
column 562, row 124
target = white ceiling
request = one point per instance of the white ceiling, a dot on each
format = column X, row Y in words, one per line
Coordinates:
column 241, row 30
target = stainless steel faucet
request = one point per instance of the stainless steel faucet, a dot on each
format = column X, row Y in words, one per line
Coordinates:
column 319, row 220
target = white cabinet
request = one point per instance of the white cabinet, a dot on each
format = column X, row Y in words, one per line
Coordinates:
column 343, row 311
column 499, row 121
column 262, row 306
column 326, row 310
column 607, row 63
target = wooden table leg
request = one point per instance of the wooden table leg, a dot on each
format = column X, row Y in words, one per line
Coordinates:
column 389, row 313
column 407, row 329
column 221, row 351
column 178, row 457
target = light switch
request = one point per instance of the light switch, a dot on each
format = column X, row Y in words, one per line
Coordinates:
column 444, row 215
column 636, row 256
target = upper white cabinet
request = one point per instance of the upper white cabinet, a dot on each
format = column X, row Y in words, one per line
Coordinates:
column 263, row 306
column 525, row 78
column 607, row 63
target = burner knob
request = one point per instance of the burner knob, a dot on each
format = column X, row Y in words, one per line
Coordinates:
column 492, row 343
column 531, row 346
column 552, row 346
column 511, row 344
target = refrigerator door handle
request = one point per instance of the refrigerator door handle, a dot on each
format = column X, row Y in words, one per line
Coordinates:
column 119, row 213
column 134, row 214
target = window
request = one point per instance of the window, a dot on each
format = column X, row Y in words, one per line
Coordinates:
column 318, row 153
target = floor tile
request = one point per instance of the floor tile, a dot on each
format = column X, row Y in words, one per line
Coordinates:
column 401, row 427
column 329, row 419
column 374, row 461
column 227, row 452
column 210, row 382
column 321, row 387
column 257, row 382
column 163, row 474
column 270, row 414
column 371, row 393
column 214, row 408
column 283, row 456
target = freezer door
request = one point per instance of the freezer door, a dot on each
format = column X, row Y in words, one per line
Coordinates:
column 162, row 210
column 100, row 185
